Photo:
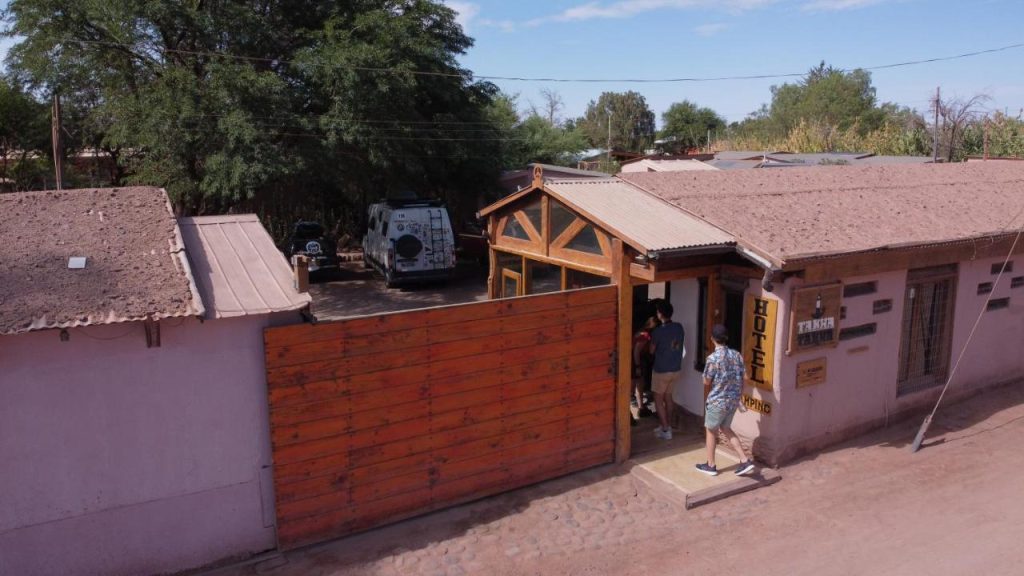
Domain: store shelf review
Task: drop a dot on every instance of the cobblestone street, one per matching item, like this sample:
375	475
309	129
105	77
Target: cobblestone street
867	506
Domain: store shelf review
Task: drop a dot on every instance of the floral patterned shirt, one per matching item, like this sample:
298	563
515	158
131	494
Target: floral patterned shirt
726	371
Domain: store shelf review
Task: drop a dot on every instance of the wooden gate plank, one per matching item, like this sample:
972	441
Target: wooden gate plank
379	418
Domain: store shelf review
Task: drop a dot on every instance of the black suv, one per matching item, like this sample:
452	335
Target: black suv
311	240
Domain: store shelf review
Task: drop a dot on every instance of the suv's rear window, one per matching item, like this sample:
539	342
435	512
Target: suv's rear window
309	230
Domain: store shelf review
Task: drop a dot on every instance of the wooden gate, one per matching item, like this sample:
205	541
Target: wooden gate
380	418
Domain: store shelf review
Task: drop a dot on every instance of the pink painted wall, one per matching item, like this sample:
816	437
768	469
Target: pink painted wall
860	391
120	459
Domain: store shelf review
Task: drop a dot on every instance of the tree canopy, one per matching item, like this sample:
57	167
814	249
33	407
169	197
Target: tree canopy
685	125
632	122
284	104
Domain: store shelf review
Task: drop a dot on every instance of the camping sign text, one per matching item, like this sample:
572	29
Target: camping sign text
759	340
815	317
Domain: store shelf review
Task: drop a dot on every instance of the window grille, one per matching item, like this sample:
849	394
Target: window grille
881	306
998	267
997	304
860	289
984	288
926	335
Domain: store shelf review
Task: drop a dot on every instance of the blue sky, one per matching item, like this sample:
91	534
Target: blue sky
709	38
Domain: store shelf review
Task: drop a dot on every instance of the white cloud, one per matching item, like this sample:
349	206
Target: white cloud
628	8
836	5
710	29
465	12
503	25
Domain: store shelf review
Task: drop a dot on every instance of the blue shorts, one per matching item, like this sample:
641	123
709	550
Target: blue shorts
715	418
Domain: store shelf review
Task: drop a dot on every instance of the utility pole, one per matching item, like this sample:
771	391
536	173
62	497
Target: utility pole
935	128
58	148
609	159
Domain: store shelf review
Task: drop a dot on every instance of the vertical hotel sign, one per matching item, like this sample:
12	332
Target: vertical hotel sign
759	340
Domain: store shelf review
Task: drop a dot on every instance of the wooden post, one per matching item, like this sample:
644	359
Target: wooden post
301	267
624	380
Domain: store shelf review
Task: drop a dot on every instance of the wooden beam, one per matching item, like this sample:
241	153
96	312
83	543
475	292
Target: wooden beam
640	274
624	382
743	271
866	264
492	275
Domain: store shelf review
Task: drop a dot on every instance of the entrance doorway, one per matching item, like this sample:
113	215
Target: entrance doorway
927	330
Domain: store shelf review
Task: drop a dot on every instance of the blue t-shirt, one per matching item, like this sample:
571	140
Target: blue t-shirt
668	347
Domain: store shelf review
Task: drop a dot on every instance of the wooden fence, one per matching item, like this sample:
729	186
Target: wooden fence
380	418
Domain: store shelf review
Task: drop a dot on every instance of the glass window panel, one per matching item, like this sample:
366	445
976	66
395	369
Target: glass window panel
561	218
513	262
544	278
513	229
586	241
509	288
532	211
576	279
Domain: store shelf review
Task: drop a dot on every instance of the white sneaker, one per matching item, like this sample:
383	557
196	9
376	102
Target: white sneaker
667	434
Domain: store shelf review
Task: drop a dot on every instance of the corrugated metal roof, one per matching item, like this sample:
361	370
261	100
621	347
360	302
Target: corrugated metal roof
655	165
238	269
800	213
638	218
134	266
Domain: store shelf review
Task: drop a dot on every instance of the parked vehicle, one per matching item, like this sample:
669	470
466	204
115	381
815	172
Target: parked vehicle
409	241
311	240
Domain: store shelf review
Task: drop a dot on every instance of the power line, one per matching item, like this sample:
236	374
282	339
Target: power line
467	74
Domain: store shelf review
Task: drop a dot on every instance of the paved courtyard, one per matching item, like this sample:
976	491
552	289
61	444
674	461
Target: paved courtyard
868	506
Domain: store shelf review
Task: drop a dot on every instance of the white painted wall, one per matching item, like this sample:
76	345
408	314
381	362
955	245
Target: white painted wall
689	392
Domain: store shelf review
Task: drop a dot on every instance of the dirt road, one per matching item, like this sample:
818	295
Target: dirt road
866	507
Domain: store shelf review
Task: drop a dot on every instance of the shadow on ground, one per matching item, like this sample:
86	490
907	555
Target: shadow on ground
355	291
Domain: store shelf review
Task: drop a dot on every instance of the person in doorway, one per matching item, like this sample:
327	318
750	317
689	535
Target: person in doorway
667	348
723	376
643	364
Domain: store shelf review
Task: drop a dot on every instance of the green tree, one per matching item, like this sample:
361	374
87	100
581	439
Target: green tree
291	107
686	125
535	138
24	138
632	122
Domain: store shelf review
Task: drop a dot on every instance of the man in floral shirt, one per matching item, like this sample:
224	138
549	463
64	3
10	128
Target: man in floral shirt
723	374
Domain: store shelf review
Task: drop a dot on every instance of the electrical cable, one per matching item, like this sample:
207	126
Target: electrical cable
916	445
470	75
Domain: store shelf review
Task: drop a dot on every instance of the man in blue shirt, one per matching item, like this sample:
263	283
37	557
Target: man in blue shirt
667	347
723	375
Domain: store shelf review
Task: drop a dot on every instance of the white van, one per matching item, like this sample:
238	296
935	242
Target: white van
409	241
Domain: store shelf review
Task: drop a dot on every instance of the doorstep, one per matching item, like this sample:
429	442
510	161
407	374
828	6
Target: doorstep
672	473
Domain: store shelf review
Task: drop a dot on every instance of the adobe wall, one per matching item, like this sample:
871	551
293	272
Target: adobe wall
860	392
120	459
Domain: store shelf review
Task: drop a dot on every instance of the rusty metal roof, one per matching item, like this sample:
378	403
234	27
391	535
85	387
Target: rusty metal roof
800	213
134	265
638	218
238	269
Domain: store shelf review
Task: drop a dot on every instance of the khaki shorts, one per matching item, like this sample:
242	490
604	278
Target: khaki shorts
664	382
